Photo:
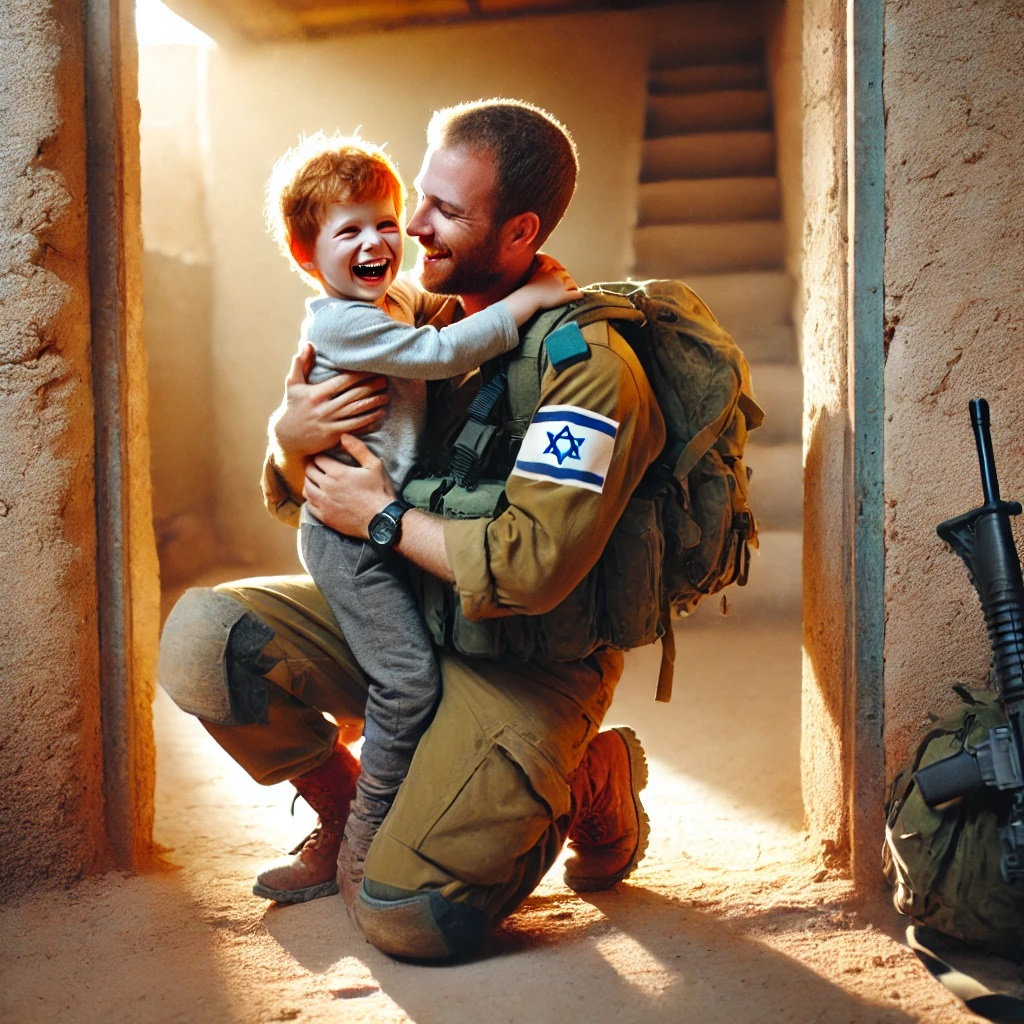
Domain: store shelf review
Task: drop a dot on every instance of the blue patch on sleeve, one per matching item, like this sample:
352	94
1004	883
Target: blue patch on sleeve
566	346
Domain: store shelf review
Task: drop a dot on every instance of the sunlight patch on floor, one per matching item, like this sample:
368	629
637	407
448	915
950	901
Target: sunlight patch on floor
700	824
636	965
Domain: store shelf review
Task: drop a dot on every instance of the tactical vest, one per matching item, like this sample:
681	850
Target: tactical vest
617	604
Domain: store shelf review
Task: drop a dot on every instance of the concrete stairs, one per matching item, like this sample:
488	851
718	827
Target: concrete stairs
709	213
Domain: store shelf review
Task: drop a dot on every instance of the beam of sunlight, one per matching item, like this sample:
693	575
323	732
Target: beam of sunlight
207	806
157	25
635	965
697	825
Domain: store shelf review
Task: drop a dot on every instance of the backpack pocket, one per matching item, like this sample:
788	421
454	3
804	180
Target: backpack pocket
717	509
566	633
480	639
631	576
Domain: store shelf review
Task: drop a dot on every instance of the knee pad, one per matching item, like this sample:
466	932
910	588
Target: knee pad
420	926
212	659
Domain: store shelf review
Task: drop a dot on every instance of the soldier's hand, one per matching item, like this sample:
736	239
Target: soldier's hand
346	497
312	417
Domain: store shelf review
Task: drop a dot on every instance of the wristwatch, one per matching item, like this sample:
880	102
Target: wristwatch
386	525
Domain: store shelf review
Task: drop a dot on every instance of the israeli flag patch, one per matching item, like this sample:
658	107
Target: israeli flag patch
567	445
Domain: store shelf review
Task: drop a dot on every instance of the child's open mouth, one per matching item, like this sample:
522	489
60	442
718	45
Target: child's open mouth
372	273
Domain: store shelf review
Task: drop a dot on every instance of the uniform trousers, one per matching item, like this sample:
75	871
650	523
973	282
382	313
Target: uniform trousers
486	805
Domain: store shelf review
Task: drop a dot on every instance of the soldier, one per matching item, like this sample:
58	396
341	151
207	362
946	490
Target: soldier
513	763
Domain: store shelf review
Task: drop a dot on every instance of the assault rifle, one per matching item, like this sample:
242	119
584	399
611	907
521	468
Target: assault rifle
983	539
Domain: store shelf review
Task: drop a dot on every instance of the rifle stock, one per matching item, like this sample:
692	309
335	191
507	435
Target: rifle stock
983	539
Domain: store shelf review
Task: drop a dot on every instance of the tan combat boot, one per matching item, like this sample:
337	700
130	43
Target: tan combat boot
311	868
609	834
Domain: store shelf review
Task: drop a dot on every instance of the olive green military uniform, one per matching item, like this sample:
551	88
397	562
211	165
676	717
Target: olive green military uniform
485	807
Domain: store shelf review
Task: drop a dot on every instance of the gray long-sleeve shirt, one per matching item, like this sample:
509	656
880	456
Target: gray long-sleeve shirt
351	335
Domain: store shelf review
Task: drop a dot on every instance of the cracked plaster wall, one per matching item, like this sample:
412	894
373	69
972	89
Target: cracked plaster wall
76	751
51	784
954	265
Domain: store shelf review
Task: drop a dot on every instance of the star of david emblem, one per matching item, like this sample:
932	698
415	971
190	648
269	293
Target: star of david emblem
572	449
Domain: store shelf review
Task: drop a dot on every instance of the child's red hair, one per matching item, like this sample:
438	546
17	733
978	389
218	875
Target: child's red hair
321	170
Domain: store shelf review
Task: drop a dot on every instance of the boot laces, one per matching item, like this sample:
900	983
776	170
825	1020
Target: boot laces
591	830
321	833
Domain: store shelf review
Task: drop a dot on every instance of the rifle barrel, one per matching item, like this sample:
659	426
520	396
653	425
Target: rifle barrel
986	457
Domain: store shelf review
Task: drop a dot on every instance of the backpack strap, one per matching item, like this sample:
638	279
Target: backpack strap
753	412
528	362
668	655
521	380
994	1006
470	446
701	443
525	370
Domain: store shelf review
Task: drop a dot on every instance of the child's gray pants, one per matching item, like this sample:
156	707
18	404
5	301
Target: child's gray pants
369	594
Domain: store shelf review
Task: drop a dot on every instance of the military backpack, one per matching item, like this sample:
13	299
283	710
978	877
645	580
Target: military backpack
696	494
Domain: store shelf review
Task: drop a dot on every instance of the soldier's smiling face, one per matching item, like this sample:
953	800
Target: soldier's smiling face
460	244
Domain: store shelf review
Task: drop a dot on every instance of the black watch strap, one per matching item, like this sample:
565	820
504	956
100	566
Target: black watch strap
396	509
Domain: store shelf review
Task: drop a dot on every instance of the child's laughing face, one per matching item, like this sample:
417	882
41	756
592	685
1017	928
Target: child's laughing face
358	251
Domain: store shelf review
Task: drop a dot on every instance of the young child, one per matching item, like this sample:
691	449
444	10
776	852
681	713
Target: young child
335	207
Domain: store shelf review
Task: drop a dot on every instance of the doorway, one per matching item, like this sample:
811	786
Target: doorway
210	373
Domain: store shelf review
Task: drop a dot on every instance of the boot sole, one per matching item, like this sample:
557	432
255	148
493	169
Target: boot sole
311	892
637	782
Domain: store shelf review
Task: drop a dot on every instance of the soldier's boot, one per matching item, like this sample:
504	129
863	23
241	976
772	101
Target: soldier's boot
310	870
365	817
610	829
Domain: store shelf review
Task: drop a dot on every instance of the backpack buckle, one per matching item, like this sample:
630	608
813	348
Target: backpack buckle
474	439
468	453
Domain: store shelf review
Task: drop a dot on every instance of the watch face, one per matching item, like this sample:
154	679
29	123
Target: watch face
382	529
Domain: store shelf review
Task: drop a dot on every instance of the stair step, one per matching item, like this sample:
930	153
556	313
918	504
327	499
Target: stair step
744	301
680	250
756	309
708	199
765	344
776	486
705	78
709	155
779	390
720	110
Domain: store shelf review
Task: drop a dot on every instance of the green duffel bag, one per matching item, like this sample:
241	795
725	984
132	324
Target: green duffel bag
944	861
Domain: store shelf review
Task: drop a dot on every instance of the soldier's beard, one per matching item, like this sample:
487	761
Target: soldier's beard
468	272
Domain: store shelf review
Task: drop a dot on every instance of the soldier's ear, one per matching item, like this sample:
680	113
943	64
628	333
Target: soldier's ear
519	233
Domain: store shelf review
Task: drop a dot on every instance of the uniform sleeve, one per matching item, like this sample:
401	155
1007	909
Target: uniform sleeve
360	336
564	499
278	499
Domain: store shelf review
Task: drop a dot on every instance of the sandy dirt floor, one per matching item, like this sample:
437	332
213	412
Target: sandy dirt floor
730	918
